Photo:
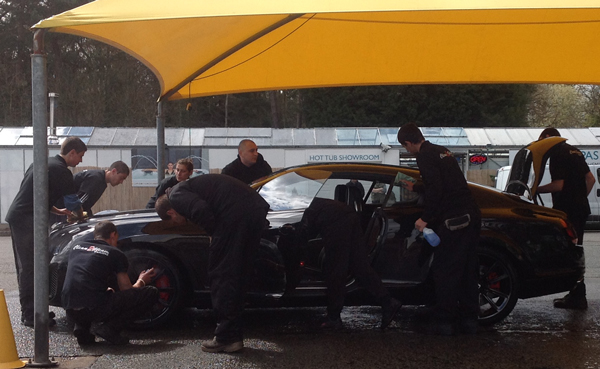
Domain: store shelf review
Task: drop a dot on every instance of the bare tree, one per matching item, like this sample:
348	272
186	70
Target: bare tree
591	95
557	106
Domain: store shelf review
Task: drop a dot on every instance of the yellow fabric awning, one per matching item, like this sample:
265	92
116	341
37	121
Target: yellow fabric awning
232	46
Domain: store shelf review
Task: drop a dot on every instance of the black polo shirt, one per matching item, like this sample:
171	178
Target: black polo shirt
90	185
567	163
161	189
60	183
213	199
91	264
446	191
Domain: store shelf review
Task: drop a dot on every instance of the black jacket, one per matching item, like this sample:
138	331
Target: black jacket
161	189
90	185
215	199
446	191
60	183
237	169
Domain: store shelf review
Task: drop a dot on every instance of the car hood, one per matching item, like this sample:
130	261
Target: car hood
529	165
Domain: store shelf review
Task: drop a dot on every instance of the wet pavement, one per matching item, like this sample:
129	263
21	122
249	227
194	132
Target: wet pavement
535	335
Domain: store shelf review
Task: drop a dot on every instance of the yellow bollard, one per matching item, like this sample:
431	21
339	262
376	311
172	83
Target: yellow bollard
8	349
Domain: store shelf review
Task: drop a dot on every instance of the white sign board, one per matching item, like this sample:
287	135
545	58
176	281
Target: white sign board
344	155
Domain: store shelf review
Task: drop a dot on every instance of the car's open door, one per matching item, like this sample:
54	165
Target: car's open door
529	166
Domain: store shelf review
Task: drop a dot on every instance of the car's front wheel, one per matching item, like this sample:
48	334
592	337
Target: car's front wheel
498	287
167	279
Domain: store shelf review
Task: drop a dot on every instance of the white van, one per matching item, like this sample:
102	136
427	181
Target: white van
594	196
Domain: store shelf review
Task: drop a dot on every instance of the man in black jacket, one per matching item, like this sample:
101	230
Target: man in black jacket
234	215
87	296
345	252
20	216
183	171
249	165
452	213
90	185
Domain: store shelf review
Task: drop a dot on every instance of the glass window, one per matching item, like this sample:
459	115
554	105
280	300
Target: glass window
347	136
294	190
454	131
377	195
328	189
9	136
81	131
368	136
400	195
522	174
432	131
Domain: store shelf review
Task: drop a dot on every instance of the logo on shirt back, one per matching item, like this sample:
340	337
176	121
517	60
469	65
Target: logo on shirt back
94	249
446	154
576	152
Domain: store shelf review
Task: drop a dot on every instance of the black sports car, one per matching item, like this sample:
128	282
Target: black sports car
525	250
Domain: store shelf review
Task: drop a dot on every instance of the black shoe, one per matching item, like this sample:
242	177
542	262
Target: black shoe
29	322
84	337
388	312
110	335
216	346
570	302
332	323
468	325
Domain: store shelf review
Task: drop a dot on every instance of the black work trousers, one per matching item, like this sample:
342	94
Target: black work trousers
578	221
346	253
121	308
230	266
22	243
455	272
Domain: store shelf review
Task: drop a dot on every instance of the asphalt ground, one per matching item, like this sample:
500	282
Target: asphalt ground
535	335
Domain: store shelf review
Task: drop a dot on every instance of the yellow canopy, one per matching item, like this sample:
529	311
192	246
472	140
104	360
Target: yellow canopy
230	46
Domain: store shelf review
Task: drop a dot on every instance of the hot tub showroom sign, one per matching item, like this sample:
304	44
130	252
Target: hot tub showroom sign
337	156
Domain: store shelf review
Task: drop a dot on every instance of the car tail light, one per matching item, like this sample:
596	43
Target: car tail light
570	230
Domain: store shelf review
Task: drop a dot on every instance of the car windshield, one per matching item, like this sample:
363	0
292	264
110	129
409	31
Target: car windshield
294	190
522	175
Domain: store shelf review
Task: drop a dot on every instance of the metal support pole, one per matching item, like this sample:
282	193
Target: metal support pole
160	142
39	109
52	139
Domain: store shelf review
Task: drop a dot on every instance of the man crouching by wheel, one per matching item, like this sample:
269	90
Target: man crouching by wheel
89	300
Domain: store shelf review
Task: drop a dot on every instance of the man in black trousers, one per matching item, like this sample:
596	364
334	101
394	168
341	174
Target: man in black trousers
571	183
234	215
87	296
345	252
452	213
20	216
